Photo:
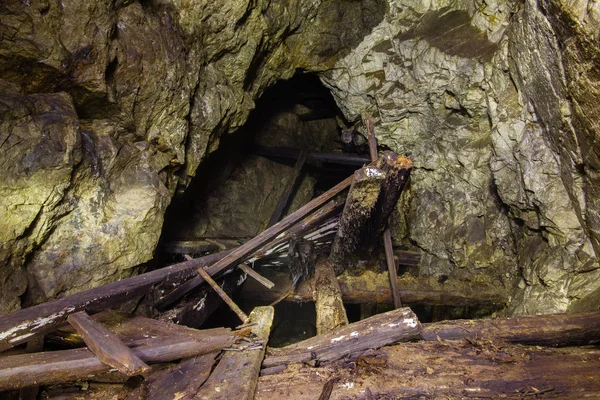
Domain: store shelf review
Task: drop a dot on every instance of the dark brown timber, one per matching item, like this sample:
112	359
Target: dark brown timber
234	307
245	250
359	207
374	332
287	191
331	313
256	276
236	375
107	346
23	325
312	156
71	365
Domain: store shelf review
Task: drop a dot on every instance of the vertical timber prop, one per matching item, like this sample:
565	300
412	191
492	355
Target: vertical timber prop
236	375
331	313
360	204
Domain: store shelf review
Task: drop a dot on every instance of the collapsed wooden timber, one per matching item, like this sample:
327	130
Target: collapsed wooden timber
312	156
371	287
331	313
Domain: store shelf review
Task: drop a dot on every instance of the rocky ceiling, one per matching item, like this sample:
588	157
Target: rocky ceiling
107	107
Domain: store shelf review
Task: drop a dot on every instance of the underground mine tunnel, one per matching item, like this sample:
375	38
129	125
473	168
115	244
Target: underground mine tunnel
169	169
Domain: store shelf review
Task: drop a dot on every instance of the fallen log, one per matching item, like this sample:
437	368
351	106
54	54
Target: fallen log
107	346
236	375
377	331
543	330
25	324
331	313
63	366
454	370
371	287
360	204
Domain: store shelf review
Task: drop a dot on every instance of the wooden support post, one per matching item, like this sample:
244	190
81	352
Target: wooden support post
379	330
236	375
245	250
331	313
234	307
64	366
107	346
360	204
21	326
287	191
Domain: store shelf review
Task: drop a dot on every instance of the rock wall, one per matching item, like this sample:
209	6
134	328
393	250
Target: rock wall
106	107
494	102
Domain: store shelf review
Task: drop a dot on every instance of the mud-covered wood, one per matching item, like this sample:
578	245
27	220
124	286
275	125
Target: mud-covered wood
359	207
379	330
543	330
23	325
180	382
107	346
331	313
447	370
245	251
287	191
236	375
371	287
71	365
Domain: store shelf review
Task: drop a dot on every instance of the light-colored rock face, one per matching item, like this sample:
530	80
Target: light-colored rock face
106	106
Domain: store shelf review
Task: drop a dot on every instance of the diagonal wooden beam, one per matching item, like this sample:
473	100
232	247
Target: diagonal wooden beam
287	191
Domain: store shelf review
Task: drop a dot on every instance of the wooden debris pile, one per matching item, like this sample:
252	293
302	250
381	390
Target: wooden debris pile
76	339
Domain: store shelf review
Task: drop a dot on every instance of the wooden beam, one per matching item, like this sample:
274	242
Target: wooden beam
391	267
107	346
245	251
64	366
312	156
23	325
540	330
371	287
189	247
236	375
234	307
360	204
287	191
331	313
380	330
256	276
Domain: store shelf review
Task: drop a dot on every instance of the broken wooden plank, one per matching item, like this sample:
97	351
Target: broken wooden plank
448	370
33	346
287	191
25	324
391	267
377	331
63	366
371	287
360	204
180	382
256	276
107	346
331	313
543	330
312	156
234	307
244	251
236	375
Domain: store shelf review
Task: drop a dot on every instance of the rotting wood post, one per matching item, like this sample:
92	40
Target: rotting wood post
287	191
107	346
359	207
236	375
331	313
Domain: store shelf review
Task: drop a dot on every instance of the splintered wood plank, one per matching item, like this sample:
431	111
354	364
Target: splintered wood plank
23	325
180	382
360	204
331	313
287	191
380	330
236	375
64	366
244	251
107	346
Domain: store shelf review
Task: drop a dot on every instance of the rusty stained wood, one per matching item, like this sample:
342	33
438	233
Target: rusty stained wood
359	207
107	346
447	370
331	313
56	367
25	324
236	375
379	330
